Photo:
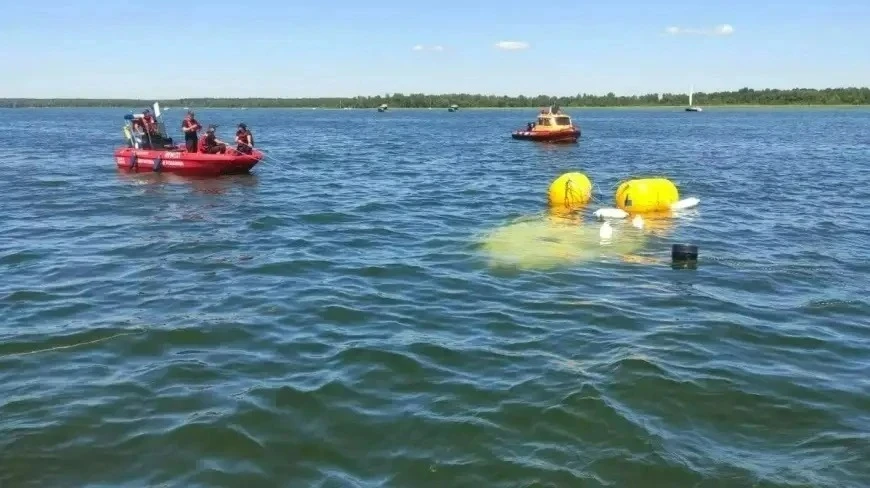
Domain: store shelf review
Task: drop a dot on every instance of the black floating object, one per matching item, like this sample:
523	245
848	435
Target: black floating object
684	255
684	252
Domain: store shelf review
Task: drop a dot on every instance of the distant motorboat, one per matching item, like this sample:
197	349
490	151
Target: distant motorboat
552	126
383	107
453	108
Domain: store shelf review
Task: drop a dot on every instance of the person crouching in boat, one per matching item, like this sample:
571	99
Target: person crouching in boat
211	144
151	132
150	125
190	127
244	140
141	130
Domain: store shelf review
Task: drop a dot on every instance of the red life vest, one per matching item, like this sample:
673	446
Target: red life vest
190	122
244	136
150	124
201	145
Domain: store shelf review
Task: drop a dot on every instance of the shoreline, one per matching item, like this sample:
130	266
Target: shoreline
646	107
742	98
461	109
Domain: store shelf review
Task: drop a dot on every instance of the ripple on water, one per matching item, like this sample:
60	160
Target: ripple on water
335	319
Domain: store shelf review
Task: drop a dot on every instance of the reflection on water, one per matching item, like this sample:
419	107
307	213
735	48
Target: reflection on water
561	215
202	184
549	147
659	225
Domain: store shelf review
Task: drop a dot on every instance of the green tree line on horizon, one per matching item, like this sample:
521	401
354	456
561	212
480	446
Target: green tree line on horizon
744	96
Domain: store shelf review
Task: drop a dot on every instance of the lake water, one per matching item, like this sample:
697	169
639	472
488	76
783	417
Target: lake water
337	319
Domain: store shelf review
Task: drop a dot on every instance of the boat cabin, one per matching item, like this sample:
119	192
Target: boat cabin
552	119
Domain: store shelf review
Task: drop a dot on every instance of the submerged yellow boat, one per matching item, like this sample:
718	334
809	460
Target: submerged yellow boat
552	126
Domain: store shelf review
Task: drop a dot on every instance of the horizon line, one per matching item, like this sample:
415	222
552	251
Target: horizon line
442	94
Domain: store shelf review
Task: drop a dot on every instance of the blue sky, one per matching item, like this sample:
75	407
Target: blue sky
269	48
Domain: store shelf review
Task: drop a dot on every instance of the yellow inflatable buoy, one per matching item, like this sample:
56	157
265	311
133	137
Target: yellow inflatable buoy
571	190
646	195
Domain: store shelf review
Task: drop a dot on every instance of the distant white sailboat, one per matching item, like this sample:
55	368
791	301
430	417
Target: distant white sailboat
692	108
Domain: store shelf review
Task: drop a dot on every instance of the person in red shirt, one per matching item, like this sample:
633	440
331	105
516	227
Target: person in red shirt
138	124
211	144
190	127
244	140
150	125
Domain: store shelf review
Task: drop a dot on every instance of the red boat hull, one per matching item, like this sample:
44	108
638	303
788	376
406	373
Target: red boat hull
182	162
562	136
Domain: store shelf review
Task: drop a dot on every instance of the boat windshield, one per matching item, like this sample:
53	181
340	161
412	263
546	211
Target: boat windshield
563	120
543	121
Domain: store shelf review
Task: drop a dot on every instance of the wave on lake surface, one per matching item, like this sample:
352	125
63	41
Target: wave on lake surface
336	319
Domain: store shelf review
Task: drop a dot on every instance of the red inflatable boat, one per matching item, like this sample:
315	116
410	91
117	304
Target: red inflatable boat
179	161
155	152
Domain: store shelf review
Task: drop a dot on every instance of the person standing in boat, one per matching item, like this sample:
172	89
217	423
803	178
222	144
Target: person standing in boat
211	144
190	127
244	140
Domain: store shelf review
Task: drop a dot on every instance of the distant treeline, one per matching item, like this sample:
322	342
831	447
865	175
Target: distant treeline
745	96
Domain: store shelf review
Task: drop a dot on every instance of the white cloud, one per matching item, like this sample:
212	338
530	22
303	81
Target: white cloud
719	30
724	30
420	47
512	45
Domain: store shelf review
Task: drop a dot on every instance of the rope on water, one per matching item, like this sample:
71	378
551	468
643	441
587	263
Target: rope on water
70	346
